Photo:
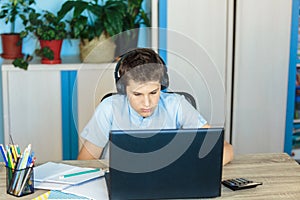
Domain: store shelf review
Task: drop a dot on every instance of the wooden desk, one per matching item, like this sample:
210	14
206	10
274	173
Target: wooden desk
279	173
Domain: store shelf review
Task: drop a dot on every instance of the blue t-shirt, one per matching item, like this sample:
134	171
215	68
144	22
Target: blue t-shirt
115	113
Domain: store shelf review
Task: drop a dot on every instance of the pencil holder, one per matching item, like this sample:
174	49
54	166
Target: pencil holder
19	182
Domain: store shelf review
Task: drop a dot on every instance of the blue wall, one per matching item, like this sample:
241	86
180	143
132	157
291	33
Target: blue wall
29	44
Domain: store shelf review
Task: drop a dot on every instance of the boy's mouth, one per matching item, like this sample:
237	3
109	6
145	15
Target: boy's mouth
144	110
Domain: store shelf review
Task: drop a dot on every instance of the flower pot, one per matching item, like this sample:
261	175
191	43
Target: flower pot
11	46
98	50
55	46
126	41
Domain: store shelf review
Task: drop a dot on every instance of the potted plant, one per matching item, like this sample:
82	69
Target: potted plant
91	21
10	12
50	31
94	24
134	17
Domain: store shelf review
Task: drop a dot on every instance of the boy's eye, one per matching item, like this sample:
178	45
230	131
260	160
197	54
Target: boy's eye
153	92
136	94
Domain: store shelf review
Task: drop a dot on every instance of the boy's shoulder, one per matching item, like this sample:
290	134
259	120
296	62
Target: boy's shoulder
170	98
115	99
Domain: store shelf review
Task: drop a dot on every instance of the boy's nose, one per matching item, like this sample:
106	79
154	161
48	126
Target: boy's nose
146	101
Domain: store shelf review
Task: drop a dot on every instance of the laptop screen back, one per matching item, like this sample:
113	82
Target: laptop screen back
152	164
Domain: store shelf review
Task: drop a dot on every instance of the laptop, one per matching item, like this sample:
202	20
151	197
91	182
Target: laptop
168	163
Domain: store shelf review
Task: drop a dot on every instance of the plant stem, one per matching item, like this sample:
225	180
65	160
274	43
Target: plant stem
12	28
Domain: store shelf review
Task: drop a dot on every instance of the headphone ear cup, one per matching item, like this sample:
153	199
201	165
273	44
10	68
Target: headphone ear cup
165	80
120	86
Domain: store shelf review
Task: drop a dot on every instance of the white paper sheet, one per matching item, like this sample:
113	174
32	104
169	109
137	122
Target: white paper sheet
50	186
95	189
50	169
47	176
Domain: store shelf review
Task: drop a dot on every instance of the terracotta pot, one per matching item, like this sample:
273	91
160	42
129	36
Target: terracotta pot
55	46
11	46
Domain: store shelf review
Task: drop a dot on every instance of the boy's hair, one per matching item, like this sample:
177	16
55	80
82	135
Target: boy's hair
140	65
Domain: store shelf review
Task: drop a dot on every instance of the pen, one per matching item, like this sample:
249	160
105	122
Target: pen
9	158
3	154
13	152
25	157
79	173
18	150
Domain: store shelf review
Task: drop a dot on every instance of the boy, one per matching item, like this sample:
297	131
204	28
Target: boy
140	76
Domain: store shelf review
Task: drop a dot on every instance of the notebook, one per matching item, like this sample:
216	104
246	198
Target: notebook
158	164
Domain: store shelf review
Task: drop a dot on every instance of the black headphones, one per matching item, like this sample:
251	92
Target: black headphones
121	88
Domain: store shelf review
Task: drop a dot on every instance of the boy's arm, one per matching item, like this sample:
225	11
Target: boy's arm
89	151
227	151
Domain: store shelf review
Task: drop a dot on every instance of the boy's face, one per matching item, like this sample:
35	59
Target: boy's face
143	97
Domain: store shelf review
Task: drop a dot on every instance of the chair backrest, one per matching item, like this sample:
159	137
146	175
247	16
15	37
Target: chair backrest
187	96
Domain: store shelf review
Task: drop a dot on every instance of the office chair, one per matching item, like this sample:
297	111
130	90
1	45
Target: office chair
187	96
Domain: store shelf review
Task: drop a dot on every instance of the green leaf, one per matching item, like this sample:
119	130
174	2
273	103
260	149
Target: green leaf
78	10
21	63
23	34
45	52
23	17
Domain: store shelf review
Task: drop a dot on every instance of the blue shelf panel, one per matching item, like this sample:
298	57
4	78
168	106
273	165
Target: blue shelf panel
292	78
163	24
69	115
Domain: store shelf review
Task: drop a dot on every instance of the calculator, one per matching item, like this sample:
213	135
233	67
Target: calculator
240	183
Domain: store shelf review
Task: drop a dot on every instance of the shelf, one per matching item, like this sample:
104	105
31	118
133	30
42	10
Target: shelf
68	63
296	121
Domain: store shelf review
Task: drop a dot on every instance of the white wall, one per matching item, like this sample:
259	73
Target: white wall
261	63
30	43
262	60
197	53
